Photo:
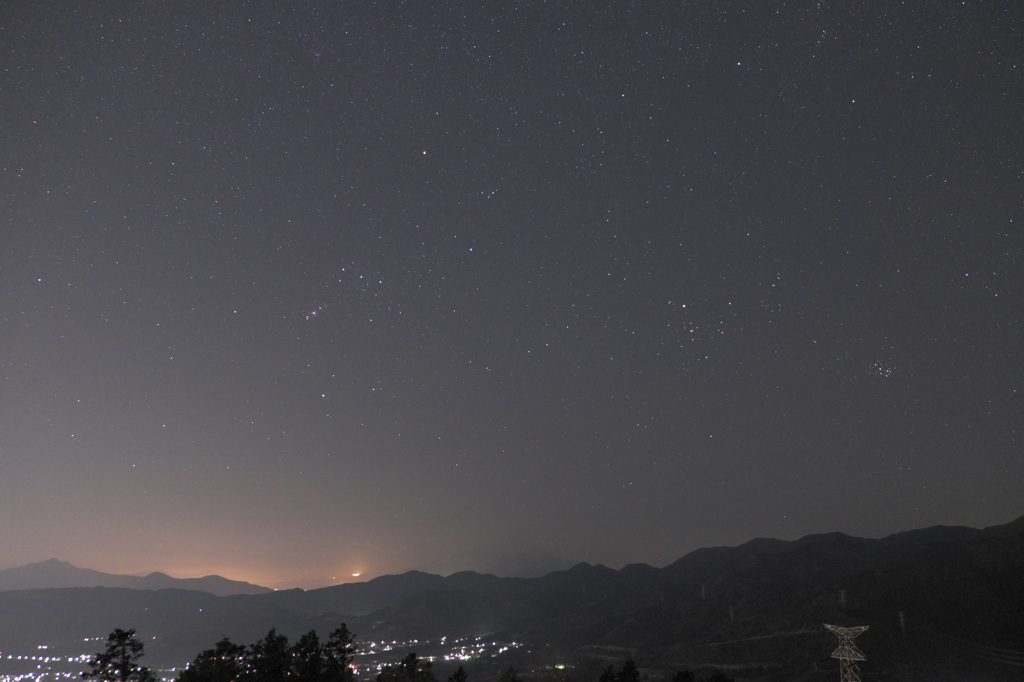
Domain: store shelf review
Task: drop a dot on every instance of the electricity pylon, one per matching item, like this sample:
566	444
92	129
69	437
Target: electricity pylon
847	652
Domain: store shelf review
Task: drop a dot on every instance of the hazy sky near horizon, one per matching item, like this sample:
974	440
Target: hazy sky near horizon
293	291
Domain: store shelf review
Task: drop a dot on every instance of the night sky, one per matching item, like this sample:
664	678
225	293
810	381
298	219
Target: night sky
295	290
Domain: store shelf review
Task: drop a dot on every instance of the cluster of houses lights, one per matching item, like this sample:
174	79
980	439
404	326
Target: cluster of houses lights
464	649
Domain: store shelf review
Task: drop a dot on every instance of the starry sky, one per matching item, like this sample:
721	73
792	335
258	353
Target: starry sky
291	291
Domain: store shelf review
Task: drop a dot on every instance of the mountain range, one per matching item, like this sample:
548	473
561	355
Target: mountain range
56	573
940	603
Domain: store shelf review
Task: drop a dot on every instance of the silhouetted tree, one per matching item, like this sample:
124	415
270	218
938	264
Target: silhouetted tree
628	673
509	675
409	669
223	663
268	660
338	653
307	658
272	659
459	675
120	661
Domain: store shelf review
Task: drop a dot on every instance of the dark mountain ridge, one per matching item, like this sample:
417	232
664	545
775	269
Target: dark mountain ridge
939	601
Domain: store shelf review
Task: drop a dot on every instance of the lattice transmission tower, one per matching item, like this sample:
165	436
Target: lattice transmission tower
847	652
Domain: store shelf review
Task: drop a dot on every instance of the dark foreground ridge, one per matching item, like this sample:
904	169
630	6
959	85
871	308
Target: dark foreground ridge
943	601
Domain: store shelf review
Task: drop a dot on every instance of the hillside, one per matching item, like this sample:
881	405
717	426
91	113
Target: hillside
939	602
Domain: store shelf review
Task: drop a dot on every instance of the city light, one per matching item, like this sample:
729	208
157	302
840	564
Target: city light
371	657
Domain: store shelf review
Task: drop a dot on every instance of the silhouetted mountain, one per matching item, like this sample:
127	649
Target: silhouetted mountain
940	602
55	573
